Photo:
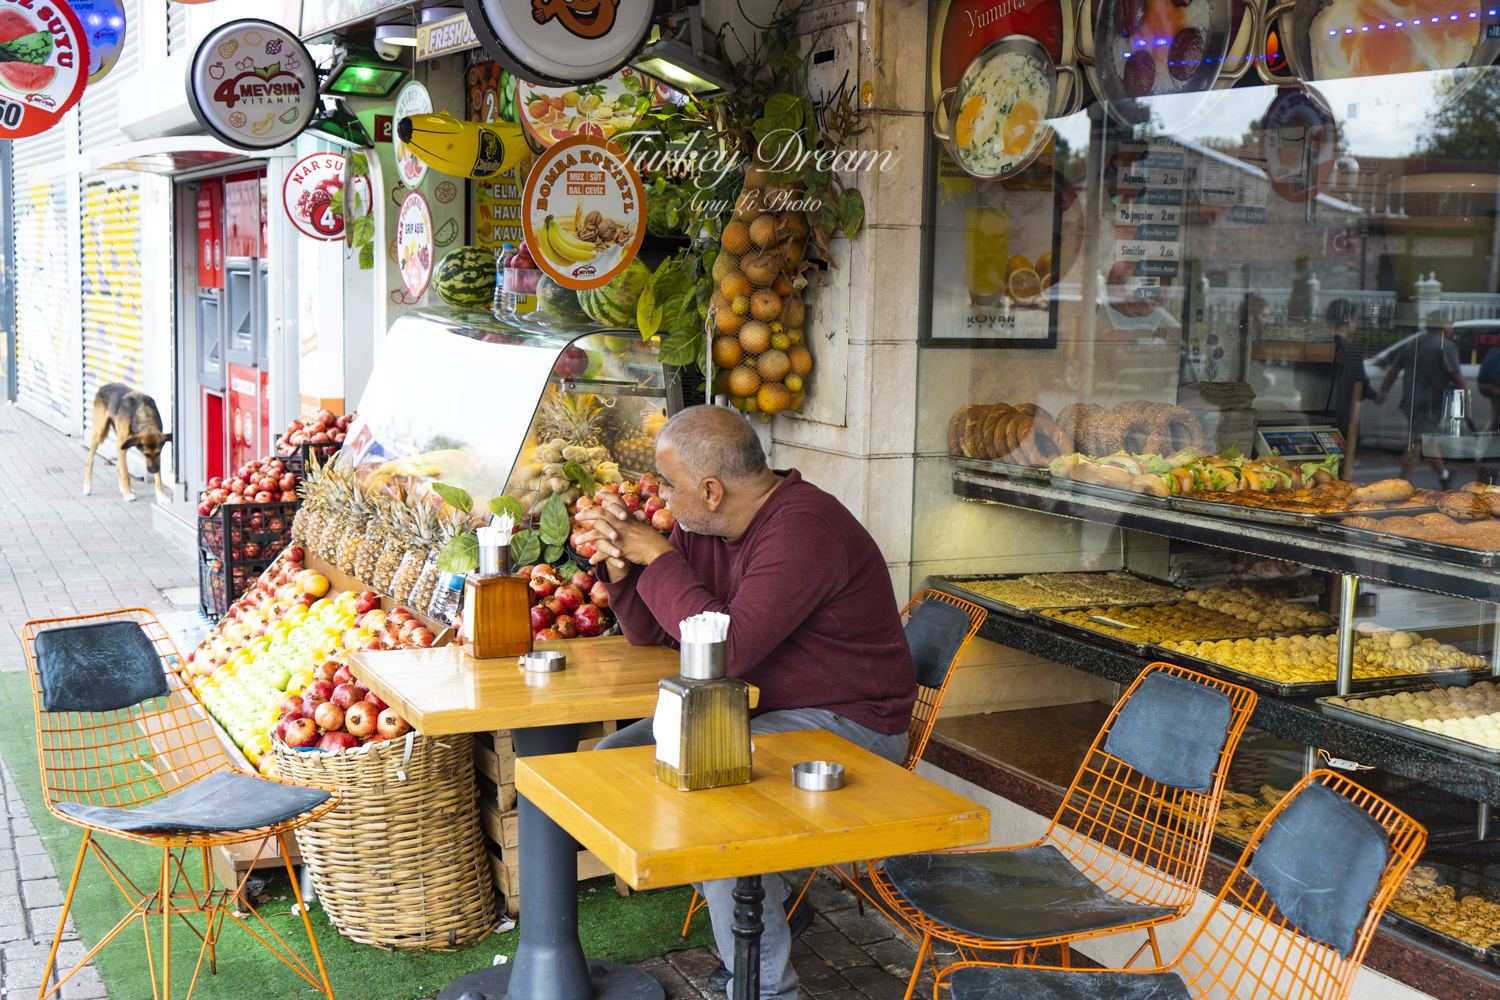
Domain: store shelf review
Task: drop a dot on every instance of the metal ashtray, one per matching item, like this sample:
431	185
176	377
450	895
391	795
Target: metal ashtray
545	661
818	775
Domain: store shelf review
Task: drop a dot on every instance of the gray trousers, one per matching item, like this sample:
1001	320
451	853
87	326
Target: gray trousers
777	977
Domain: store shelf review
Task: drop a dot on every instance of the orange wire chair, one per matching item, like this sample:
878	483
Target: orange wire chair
924	715
1139	840
124	758
1245	947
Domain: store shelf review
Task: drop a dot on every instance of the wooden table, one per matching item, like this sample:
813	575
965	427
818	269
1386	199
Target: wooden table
444	690
654	836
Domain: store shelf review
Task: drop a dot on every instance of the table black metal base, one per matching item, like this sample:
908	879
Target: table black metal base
549	961
748	895
609	981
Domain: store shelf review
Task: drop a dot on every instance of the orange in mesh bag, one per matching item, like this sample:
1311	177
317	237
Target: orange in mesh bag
756	313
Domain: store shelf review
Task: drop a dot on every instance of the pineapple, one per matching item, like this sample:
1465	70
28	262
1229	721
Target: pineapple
574	418
635	447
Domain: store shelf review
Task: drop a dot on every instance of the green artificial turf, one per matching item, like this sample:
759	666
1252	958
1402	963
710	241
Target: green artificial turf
622	930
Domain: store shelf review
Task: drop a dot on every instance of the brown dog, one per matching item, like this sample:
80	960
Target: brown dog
137	424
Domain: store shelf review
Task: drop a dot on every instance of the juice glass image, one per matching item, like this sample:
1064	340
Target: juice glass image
987	247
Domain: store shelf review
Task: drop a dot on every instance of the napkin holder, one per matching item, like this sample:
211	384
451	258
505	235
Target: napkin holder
702	722
497	608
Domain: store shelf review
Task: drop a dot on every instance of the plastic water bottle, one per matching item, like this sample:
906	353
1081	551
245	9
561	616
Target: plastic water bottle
445	600
507	251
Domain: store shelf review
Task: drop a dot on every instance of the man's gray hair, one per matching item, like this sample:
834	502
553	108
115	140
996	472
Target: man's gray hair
713	442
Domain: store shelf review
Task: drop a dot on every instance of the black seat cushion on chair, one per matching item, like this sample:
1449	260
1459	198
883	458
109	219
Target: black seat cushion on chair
1171	730
934	631
228	800
1022	983
97	668
1321	864
1015	895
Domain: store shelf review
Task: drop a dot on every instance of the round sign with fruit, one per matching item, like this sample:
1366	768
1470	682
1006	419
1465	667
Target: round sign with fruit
104	26
44	61
551	114
414	244
252	84
583	212
413	100
309	195
560	41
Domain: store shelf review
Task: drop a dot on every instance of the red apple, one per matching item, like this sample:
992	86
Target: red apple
345	695
337	741
367	601
343	675
565	627
361	720
301	733
329	716
541	617
589	620
377	701
663	520
291	703
571	597
390	725
583	581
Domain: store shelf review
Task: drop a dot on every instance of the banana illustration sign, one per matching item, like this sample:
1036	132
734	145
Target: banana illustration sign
252	84
560	42
583	212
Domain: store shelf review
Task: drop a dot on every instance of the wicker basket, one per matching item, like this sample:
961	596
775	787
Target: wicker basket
400	864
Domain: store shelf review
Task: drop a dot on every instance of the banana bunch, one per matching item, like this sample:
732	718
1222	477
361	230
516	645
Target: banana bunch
463	149
562	247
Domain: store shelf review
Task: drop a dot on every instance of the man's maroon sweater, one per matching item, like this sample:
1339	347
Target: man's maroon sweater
813	617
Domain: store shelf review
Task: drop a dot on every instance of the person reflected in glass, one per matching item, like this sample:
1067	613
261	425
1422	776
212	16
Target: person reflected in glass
1348	365
1430	366
1489	385
1255	320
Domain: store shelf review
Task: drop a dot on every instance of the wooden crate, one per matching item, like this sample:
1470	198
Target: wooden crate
495	770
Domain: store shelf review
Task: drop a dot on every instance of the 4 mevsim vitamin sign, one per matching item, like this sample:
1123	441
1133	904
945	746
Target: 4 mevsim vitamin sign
252	84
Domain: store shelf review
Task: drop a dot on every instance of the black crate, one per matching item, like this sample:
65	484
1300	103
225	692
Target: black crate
235	544
298	460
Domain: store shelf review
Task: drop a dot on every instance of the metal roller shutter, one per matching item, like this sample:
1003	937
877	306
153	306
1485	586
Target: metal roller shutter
111	285
45	260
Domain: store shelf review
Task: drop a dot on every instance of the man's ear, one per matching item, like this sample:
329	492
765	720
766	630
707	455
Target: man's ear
711	493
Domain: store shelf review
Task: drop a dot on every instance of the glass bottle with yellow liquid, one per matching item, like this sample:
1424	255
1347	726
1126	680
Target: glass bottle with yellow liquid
986	247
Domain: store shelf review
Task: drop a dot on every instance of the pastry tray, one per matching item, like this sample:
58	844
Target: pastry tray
1039	472
1103	638
1363	686
1110	493
1462	748
1238	512
955	585
1414	546
1417	929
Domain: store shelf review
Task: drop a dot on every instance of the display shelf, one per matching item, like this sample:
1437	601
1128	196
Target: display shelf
1292	718
1294	544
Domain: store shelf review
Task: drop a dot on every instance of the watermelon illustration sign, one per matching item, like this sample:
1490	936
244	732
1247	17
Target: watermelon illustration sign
44	61
252	84
313	196
583	212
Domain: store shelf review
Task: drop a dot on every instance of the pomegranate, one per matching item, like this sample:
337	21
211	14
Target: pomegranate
291	703
542	586
663	520
571	597
301	733
584	581
336	741
565	627
361	720
376	701
329	717
345	695
367	601
546	635
422	637
541	617
589	620
555	605
343	675
320	689
310	703
390	725
325	672
287	719
631	500
293	553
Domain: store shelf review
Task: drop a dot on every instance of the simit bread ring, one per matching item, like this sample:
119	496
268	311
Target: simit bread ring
1074	422
1029	453
958	425
1051	440
987	429
999	438
1106	433
1014	432
973	445
1185	429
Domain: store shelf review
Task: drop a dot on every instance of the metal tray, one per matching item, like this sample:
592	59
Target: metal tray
1417	929
955	585
1110	493
1039	472
1413	546
1280	518
1254	682
1087	634
1339	515
1462	748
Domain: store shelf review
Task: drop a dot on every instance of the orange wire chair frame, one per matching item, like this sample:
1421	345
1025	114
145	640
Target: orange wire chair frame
1245	948
1140	840
124	758
924	715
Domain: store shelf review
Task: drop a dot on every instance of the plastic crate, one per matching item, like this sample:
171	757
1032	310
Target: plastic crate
235	544
298	460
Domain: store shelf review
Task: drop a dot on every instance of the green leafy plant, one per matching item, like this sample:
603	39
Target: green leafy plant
359	233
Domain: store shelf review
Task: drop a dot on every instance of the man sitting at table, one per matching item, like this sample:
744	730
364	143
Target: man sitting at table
813	619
